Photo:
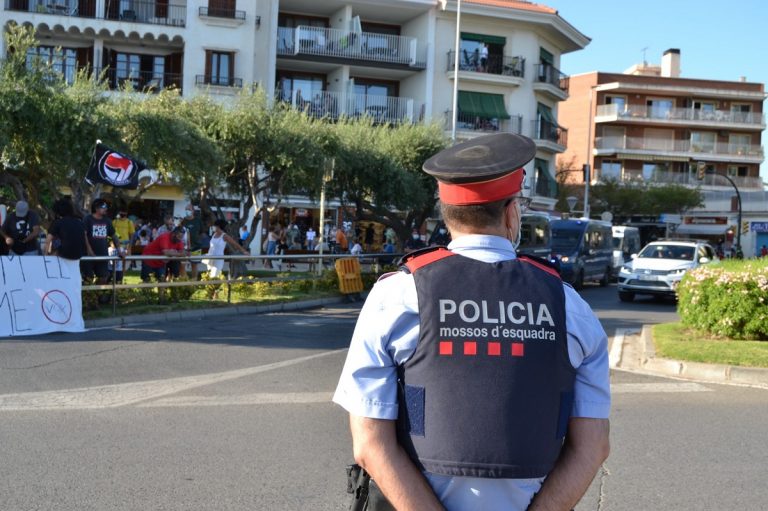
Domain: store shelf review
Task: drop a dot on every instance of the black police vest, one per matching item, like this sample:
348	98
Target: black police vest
489	390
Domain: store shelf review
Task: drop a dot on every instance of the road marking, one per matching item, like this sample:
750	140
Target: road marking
242	400
111	396
651	388
614	356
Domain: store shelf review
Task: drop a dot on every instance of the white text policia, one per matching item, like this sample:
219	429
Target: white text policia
515	312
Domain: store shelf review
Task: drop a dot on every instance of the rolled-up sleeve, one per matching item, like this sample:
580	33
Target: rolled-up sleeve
588	351
385	335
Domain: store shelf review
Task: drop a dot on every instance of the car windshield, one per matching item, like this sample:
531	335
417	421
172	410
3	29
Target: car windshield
566	241
661	251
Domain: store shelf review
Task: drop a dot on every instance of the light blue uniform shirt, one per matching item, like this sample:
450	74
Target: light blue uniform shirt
386	335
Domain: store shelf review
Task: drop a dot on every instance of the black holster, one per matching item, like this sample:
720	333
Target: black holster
366	495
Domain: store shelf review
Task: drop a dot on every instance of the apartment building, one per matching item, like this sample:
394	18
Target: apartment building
649	124
393	60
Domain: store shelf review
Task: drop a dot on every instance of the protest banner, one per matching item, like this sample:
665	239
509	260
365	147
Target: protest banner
39	294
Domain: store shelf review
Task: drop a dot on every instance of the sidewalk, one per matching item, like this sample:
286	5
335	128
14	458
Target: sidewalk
213	312
637	354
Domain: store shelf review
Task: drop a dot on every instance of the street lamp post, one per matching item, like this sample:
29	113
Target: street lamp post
454	111
702	169
330	165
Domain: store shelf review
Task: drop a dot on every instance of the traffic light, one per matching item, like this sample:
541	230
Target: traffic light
745	227
701	169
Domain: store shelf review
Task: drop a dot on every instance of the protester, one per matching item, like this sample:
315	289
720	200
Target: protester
310	235
440	236
356	249
124	228
194	227
21	230
763	251
244	234
342	245
167	244
99	231
66	237
414	242
476	379
219	242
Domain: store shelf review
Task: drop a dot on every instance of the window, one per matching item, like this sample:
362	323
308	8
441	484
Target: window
219	68
660	108
373	98
61	60
295	20
304	85
738	171
613	136
127	69
659	140
739	143
610	170
619	101
703	141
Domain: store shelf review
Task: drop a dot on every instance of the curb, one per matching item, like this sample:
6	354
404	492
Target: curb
234	310
642	359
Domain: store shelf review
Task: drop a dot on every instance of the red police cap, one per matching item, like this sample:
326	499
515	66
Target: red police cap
484	169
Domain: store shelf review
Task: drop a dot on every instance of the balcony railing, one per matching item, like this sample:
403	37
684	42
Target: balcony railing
546	130
467	122
141	81
547	73
680	178
218	81
496	64
643	112
217	12
333	105
663	145
140	11
343	44
147	11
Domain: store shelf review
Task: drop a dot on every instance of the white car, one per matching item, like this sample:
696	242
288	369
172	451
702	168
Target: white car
659	267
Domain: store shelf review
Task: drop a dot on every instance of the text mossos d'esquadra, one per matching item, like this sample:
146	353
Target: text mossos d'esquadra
513	320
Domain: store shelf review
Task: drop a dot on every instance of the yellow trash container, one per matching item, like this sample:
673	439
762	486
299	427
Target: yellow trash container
350	280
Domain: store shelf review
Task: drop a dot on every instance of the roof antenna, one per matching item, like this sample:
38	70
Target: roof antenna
645	62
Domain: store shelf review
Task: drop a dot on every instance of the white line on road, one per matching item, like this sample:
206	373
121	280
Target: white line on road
291	398
110	396
614	356
650	388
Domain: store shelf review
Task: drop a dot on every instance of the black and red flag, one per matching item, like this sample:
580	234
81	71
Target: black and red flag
113	168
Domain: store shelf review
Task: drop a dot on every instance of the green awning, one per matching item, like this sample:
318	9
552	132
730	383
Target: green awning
490	39
546	113
546	56
480	104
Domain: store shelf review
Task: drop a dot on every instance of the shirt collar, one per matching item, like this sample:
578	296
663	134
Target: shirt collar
483	247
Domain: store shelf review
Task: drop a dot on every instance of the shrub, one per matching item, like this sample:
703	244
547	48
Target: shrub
729	300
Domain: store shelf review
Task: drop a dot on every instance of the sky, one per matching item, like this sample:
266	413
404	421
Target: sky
717	39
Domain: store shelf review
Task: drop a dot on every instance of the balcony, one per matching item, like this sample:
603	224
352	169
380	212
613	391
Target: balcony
640	148
344	46
142	81
680	116
218	81
545	185
334	105
217	12
679	178
499	69
141	11
549	80
549	136
472	125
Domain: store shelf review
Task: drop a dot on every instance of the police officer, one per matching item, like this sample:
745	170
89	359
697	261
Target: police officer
476	379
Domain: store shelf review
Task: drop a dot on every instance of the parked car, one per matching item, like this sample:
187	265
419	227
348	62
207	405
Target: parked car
584	250
626	241
659	267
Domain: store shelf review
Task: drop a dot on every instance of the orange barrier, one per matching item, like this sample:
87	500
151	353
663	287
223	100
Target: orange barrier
348	270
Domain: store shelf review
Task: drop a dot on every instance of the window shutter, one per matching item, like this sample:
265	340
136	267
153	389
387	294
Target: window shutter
208	58
231	68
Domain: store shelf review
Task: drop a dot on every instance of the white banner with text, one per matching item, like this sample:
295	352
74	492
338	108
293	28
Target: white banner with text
40	294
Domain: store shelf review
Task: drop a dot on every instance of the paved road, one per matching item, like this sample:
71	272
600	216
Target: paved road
235	414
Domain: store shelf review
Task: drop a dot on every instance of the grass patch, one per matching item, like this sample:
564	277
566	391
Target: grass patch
673	340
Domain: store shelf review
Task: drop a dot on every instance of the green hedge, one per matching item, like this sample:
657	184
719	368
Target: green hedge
728	299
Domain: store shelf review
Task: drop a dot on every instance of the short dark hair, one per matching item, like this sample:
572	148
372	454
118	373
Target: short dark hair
221	224
477	216
178	230
63	207
97	204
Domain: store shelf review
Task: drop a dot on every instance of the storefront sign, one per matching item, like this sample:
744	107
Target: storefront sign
302	212
710	220
38	295
758	226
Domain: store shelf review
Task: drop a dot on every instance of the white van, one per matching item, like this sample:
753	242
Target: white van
626	241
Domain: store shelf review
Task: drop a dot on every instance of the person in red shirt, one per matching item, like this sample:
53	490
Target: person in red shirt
168	244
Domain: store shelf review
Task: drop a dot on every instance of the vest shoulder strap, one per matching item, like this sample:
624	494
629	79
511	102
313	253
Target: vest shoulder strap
415	260
541	264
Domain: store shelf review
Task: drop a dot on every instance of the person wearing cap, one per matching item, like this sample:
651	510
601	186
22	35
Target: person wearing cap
476	379
21	230
98	231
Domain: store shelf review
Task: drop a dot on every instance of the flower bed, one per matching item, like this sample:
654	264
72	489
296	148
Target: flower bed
728	299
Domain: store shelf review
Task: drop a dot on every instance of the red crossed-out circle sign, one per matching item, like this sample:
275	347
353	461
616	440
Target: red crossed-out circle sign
57	308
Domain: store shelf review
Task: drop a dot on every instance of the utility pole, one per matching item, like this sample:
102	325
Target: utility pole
701	171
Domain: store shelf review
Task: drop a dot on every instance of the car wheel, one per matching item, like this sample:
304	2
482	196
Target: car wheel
606	277
578	282
626	296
